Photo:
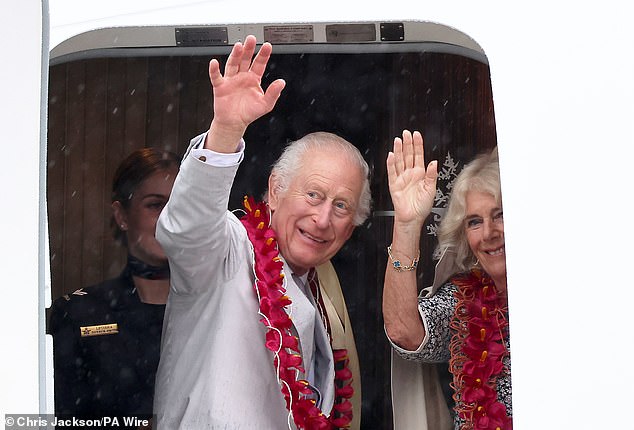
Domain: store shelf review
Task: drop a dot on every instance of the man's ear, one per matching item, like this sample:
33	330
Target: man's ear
119	214
351	228
274	192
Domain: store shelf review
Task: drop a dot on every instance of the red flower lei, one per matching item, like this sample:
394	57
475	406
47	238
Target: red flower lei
271	294
477	350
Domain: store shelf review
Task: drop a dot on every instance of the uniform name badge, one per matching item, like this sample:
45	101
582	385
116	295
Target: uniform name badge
99	330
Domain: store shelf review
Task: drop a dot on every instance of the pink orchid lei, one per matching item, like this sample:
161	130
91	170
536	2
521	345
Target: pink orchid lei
287	361
477	350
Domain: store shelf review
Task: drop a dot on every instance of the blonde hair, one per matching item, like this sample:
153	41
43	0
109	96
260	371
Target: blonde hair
482	175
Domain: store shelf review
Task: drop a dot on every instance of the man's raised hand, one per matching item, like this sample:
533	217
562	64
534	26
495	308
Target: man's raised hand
238	96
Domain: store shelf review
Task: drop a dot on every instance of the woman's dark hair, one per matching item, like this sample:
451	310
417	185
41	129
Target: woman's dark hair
137	167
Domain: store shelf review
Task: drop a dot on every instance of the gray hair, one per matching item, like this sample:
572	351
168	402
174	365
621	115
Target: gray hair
483	175
290	163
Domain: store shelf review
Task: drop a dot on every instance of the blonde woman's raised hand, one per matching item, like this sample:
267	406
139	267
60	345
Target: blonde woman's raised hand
412	184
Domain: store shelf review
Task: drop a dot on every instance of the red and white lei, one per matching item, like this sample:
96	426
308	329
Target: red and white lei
287	361
477	352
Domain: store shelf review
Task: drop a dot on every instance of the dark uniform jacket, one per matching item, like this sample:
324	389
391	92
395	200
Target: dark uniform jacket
106	350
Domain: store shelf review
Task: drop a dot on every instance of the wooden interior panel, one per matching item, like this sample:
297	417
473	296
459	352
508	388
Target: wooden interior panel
114	151
73	191
95	185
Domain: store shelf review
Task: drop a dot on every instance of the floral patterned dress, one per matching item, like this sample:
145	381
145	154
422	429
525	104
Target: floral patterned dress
482	402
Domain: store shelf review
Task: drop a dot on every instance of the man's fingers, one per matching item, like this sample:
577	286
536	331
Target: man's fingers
233	62
214	73
241	58
247	53
260	61
273	92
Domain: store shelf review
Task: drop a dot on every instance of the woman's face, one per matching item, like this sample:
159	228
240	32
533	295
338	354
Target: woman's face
138	221
484	228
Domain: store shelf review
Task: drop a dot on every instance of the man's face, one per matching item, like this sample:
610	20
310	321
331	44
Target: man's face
314	217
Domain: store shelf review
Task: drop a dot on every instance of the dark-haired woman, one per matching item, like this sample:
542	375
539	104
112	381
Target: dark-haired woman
107	336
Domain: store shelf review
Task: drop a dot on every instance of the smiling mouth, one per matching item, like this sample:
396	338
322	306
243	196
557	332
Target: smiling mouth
311	237
496	252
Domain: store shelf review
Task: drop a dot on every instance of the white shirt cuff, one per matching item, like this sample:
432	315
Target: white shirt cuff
218	159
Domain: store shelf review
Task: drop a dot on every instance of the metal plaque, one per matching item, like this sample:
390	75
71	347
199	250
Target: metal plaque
345	33
288	33
201	36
